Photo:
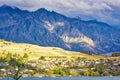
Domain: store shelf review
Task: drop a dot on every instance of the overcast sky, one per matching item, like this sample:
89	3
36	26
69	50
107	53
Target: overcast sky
101	10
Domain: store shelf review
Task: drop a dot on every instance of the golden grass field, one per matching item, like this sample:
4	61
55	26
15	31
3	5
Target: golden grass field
35	51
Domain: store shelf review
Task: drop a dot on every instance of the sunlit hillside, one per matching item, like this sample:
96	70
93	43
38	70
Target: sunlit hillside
35	51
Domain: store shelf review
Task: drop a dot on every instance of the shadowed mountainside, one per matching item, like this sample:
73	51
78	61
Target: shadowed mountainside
46	28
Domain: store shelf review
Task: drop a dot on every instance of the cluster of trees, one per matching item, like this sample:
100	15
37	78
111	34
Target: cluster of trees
66	72
101	70
59	71
97	70
95	73
13	65
115	54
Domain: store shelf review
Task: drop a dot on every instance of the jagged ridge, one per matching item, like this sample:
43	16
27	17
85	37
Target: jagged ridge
46	28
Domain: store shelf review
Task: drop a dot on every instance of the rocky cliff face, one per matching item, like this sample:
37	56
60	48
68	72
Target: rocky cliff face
47	28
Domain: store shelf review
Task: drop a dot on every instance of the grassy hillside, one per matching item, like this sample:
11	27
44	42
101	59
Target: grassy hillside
35	51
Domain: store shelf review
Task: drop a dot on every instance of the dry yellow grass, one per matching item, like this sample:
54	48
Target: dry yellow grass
35	51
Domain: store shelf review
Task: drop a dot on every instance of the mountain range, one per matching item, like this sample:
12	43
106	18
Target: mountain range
49	28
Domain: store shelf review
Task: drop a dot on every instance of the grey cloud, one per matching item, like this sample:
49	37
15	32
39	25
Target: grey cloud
101	10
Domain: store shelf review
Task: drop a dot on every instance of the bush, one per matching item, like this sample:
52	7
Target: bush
86	73
116	73
74	73
42	58
62	73
106	73
94	73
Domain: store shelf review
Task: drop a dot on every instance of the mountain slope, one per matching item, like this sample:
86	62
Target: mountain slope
47	28
35	52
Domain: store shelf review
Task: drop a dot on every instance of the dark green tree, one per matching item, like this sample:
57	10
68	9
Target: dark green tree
100	68
42	58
